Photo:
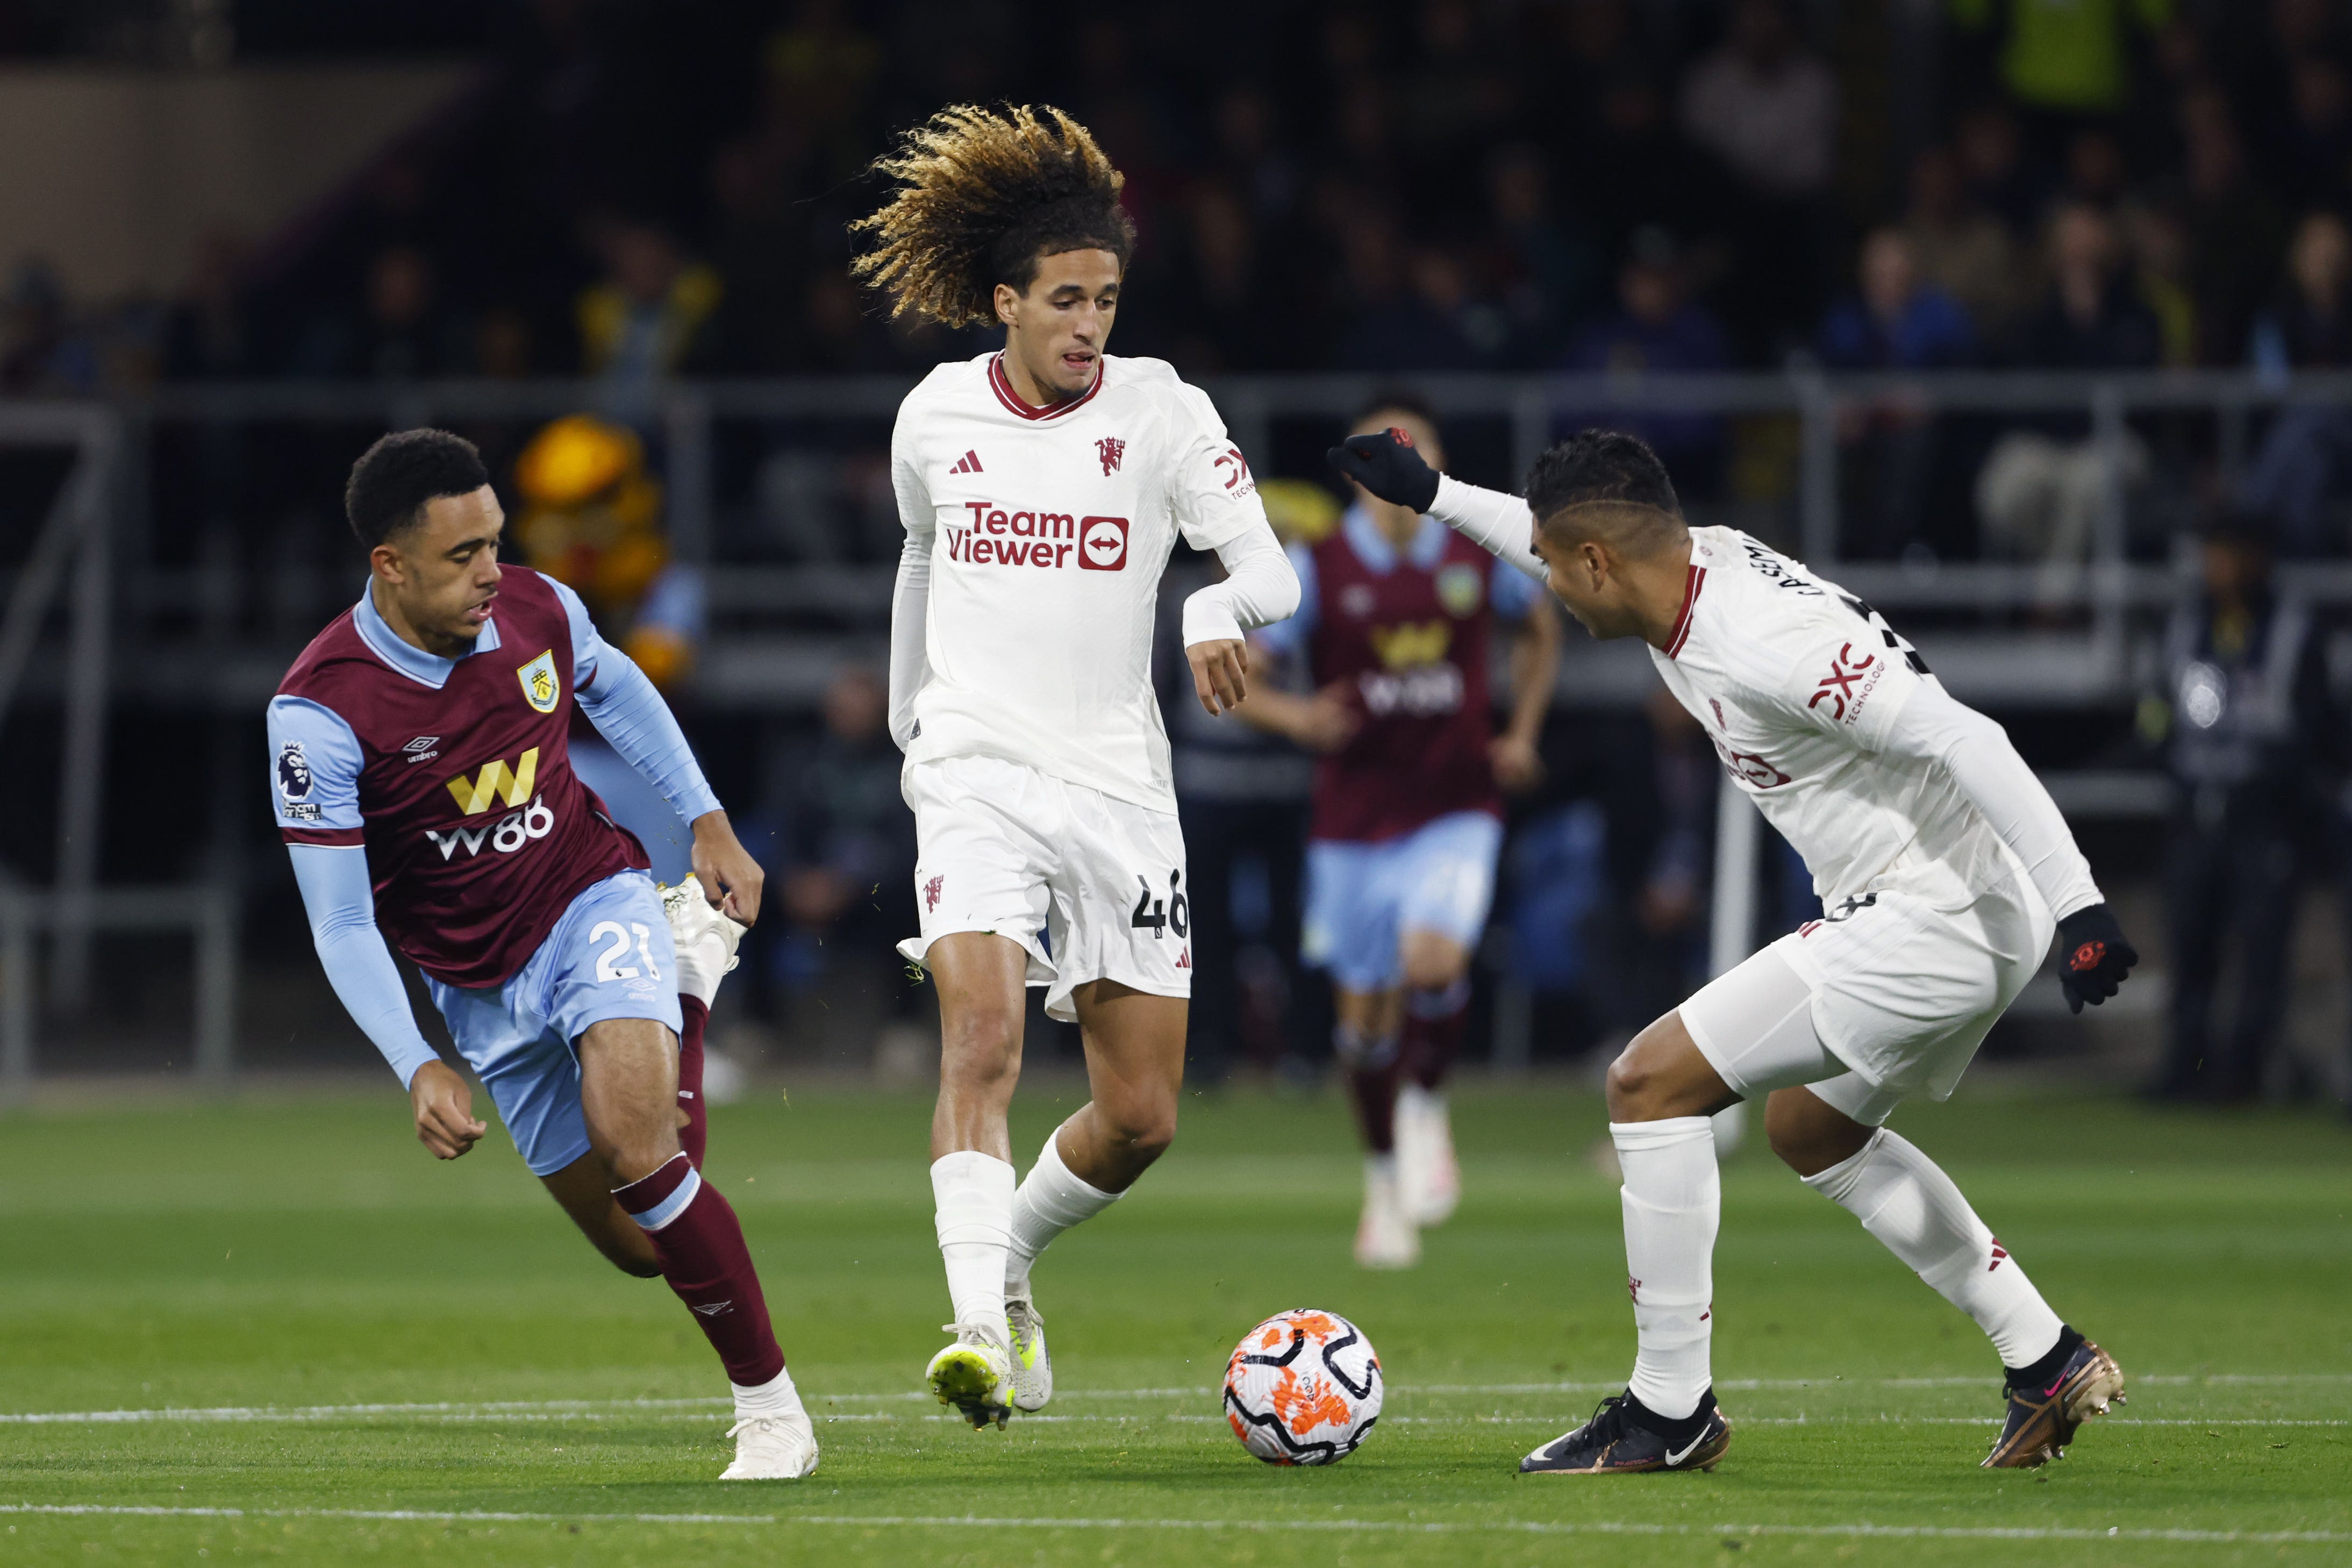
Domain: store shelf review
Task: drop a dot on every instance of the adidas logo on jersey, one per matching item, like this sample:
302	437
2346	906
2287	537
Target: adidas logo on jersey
1042	539
967	463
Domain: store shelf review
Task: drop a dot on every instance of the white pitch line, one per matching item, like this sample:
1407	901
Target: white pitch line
1317	1526
456	1411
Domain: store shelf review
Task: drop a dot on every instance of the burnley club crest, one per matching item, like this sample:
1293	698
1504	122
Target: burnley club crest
540	685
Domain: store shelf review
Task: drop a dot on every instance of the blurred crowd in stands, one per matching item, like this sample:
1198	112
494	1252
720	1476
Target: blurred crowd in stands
634	191
1434	185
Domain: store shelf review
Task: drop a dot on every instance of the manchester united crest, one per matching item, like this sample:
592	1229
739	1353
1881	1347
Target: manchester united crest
540	685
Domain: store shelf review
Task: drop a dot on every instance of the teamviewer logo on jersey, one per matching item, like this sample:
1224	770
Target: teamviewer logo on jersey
1102	544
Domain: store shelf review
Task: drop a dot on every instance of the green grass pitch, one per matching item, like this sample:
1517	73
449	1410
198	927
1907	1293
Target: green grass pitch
401	1361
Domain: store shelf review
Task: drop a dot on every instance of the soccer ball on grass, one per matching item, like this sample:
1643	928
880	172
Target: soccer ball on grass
1303	1388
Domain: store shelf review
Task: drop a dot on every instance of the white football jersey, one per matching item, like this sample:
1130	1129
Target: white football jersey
1048	530
1798	682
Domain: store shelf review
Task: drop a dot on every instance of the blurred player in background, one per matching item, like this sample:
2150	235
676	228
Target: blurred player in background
1943	868
1396	624
591	517
422	780
1043	488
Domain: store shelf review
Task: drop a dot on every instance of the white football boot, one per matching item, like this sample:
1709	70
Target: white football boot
704	936
772	1448
1427	1172
1033	1365
1386	1238
975	1374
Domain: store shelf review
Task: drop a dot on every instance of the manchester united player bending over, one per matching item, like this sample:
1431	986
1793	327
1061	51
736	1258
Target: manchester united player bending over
1042	489
1943	869
417	752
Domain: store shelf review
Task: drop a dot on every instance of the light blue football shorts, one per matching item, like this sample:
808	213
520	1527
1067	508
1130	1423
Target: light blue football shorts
1361	898
608	958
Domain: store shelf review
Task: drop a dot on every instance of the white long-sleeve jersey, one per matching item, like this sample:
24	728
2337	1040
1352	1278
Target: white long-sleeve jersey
1832	722
1035	541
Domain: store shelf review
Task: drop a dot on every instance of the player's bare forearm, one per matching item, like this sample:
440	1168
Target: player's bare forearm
730	878
1535	670
1220	674
444	1105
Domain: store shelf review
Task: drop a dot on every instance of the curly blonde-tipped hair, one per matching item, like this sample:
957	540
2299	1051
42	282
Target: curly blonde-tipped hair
982	194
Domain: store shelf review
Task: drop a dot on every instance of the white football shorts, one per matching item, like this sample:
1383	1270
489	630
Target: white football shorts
1091	886
1882	997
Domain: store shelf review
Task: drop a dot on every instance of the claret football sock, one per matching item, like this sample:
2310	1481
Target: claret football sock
701	1244
1435	1018
1673	1202
1373	1067
1905	1199
1051	1198
972	1195
694	1136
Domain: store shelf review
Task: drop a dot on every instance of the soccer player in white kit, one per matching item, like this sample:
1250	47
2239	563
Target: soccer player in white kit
1943	869
1043	488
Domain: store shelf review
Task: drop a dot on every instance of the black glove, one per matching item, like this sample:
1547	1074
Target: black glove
2093	956
1387	467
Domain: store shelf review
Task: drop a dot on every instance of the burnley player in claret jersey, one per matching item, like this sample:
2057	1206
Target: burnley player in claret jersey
1397	620
1043	488
420	779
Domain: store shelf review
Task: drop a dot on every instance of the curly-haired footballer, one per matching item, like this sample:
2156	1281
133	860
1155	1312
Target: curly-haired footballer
1043	488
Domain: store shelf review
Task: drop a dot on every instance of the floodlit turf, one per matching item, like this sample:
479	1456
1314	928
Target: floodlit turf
295	1257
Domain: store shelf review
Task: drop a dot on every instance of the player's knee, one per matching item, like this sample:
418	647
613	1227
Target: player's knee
1628	1082
1807	1136
1143	1131
981	1044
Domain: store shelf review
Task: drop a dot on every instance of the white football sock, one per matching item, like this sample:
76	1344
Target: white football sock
1905	1199
1051	1198
972	1194
777	1396
1673	1201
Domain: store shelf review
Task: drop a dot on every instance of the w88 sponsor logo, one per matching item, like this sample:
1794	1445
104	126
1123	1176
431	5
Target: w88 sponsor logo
1430	692
506	835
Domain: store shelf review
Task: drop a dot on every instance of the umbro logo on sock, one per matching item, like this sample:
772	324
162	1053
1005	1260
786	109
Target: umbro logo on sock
712	1309
967	464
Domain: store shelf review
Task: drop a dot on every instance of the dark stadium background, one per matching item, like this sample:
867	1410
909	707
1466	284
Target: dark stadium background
1543	215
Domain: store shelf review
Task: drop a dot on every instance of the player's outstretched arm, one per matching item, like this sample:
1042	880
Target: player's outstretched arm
1932	725
1386	465
1260	588
340	904
627	710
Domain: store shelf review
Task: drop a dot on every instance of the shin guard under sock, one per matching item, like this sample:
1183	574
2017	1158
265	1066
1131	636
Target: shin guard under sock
694	1136
701	1244
1905	1199
1673	1202
1374	1068
1435	1020
973	1198
1051	1198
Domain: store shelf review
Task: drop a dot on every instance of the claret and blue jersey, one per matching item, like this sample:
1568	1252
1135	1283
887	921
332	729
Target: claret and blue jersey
432	801
1407	820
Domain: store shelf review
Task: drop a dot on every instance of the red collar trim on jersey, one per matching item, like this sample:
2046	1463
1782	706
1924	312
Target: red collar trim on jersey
1003	387
1692	583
